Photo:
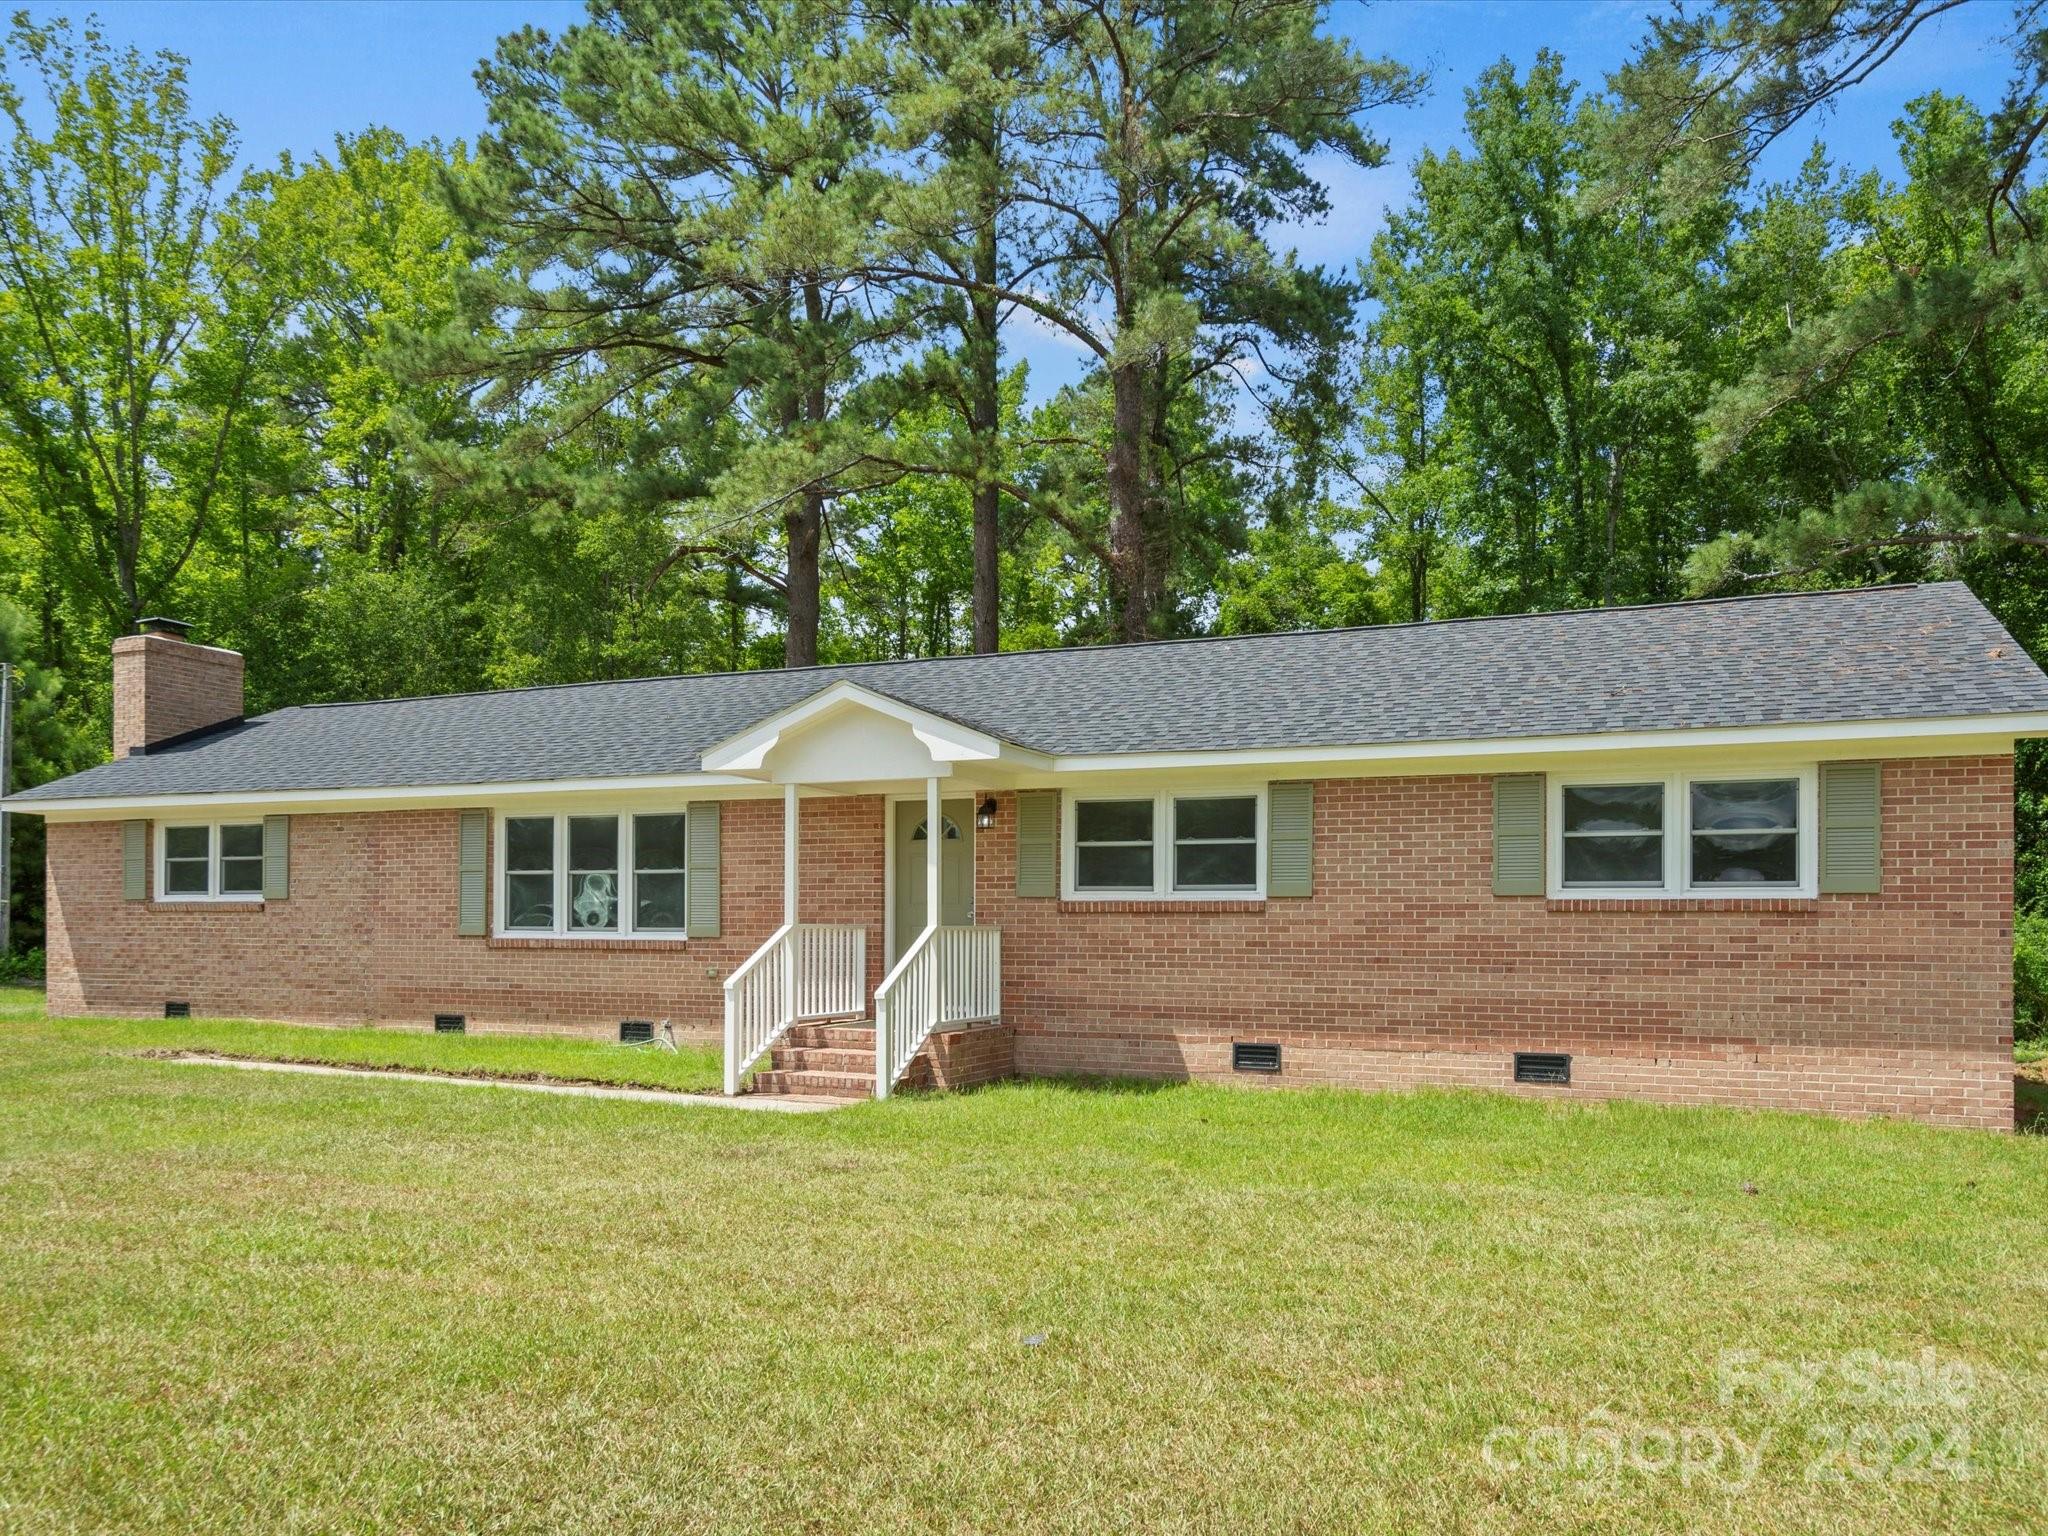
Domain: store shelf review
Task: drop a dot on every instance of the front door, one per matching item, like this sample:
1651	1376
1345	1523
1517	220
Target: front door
956	868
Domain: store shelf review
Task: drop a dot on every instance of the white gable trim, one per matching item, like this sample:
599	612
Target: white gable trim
946	740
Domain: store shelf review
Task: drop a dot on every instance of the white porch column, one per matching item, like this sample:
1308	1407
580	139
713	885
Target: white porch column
789	853
934	834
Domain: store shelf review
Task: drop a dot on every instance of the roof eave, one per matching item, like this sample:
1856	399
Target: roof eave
1839	734
1834	739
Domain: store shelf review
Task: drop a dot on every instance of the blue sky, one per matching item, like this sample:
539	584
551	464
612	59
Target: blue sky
294	73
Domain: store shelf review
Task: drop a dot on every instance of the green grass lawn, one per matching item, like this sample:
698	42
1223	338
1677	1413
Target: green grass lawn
236	1301
688	1069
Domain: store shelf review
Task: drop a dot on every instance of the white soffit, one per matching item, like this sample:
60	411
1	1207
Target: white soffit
867	733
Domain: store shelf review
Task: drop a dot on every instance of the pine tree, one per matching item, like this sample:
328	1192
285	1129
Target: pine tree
960	78
676	191
1163	141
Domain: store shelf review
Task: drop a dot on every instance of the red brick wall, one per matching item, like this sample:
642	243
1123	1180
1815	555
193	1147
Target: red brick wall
165	687
964	1058
369	932
1405	969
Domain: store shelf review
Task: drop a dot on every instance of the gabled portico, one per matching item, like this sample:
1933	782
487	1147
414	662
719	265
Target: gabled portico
846	739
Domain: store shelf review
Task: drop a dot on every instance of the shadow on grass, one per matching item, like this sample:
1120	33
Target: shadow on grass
1103	1083
2030	1105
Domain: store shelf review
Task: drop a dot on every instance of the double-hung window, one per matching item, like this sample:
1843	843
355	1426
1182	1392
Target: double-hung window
1614	834
1172	845
1723	833
1743	832
210	861
574	875
660	873
1216	843
1115	845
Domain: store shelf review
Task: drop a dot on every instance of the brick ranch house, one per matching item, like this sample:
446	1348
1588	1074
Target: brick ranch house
1754	851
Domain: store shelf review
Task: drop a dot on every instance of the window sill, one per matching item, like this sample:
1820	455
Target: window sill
566	941
206	904
1682	904
1181	904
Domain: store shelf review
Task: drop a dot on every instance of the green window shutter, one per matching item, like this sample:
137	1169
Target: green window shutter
134	860
472	873
1518	834
700	901
1038	842
277	858
1850	827
1290	839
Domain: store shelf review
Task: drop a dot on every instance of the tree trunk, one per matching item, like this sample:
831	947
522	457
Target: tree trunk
1130	388
1160	508
988	619
1127	575
801	527
985	425
804	522
735	617
1614	458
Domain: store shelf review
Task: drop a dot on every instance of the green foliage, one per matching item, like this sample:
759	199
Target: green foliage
674	196
48	743
1167	139
1295	576
130	325
1897	385
1529	384
2030	976
20	965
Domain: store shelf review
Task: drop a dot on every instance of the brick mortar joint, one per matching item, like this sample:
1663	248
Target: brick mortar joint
1733	905
1175	908
496	941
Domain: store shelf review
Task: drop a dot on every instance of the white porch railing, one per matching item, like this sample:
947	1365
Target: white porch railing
831	970
948	976
803	971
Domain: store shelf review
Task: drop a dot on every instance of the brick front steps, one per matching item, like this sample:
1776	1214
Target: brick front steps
834	1061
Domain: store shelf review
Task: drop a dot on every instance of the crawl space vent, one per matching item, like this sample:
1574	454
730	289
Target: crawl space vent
1542	1067
450	1024
635	1031
1250	1056
177	1010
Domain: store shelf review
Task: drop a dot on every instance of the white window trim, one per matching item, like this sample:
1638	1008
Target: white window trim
1162	843
162	893
1678	880
629	896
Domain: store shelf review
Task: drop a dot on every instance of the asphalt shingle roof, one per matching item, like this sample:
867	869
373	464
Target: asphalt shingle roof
1889	653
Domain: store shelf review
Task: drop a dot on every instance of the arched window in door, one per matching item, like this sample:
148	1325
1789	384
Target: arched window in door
951	832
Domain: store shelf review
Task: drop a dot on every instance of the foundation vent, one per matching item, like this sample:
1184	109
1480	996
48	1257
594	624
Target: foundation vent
635	1031
1254	1056
450	1024
1551	1067
177	1010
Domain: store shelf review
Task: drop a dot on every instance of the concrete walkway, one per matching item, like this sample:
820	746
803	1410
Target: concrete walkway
771	1103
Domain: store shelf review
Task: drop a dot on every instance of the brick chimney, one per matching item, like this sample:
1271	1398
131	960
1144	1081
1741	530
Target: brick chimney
165	686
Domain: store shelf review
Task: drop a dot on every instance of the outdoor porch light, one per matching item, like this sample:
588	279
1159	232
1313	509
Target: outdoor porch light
986	816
